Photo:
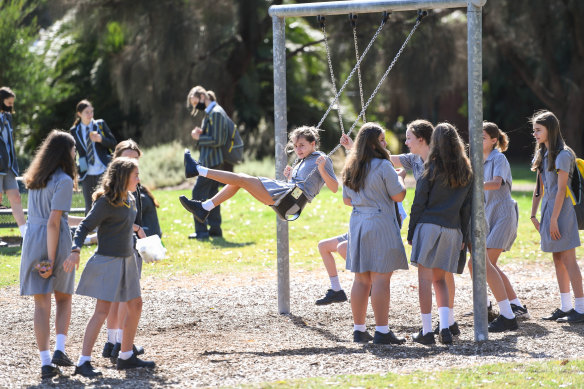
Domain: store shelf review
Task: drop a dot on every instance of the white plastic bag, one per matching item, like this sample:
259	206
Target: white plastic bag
151	248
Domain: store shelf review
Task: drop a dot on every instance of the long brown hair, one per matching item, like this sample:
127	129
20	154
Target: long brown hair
495	132
124	145
79	108
53	153
366	148
448	155
555	140
114	183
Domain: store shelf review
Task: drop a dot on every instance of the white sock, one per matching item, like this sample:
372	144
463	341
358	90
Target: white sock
360	327
488	302
443	316
505	309
208	205
60	345
451	320
125	354
335	283
202	170
516	301
22	229
426	323
83	359
382	329
112	336
566	300
579	304
45	357
119	336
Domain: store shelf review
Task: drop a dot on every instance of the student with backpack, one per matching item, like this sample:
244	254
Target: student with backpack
558	226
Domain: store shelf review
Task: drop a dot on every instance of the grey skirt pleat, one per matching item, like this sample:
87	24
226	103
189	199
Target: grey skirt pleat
114	279
435	246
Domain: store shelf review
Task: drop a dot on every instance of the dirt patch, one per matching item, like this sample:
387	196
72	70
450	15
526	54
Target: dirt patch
223	330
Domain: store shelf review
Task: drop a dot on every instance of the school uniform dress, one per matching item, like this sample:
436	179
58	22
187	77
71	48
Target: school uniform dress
501	212
567	222
8	162
111	274
311	186
439	223
414	163
56	195
374	236
93	156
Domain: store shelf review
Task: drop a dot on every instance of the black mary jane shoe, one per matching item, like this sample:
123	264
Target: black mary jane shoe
195	207
454	330
362	337
190	165
107	350
389	338
86	370
501	324
424	339
445	336
332	296
572	317
557	314
49	371
134	362
61	359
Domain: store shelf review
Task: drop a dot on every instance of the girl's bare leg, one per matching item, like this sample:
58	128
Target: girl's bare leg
63	312
134	308
449	277
94	326
573	270
113	322
440	287
425	289
380	297
561	272
360	297
493	255
16	205
251	184
326	248
42	318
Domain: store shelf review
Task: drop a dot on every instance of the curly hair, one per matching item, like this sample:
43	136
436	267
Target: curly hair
366	148
53	153
114	183
448	155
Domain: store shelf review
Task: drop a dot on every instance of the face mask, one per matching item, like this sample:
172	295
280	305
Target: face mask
6	108
200	106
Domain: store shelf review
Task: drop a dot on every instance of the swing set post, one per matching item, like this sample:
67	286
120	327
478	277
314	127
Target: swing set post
475	118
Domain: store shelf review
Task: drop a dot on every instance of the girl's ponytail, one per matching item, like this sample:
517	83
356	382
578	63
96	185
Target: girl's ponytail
502	141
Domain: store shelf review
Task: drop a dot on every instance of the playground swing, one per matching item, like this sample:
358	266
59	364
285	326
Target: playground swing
290	206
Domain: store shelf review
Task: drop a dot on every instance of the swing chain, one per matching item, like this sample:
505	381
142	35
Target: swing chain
330	65
353	18
418	21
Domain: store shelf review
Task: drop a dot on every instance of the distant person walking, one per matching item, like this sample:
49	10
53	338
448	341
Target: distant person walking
94	144
210	138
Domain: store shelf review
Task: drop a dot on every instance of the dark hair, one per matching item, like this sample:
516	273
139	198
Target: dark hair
149	194
421	129
448	155
124	145
307	132
53	153
79	108
555	140
114	183
6	93
366	148
495	132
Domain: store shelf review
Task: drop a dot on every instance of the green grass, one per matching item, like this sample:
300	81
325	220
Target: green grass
538	374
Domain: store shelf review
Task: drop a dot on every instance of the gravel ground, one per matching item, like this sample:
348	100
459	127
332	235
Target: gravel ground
222	330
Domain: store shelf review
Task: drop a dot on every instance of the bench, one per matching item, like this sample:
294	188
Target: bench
7	220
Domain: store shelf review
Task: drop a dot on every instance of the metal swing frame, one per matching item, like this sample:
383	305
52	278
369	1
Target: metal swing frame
475	118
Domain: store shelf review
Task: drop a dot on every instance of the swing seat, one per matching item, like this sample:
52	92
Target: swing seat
289	207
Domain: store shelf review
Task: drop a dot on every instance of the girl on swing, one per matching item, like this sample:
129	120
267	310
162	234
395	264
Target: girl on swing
304	140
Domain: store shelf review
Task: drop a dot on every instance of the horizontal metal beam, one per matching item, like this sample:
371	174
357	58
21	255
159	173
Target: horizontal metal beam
346	7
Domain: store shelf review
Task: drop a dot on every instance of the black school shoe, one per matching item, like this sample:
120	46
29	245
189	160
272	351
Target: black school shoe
138	350
195	207
332	297
557	314
521	313
389	338
61	359
445	336
501	324
107	350
454	330
133	362
190	165
424	339
572	317
49	371
361	337
86	370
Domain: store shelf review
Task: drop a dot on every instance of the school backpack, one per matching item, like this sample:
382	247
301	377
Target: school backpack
576	191
233	148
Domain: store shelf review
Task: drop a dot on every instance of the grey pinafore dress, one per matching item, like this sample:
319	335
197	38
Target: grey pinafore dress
375	242
56	195
501	211
567	222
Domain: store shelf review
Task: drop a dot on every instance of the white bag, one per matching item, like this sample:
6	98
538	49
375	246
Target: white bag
151	248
